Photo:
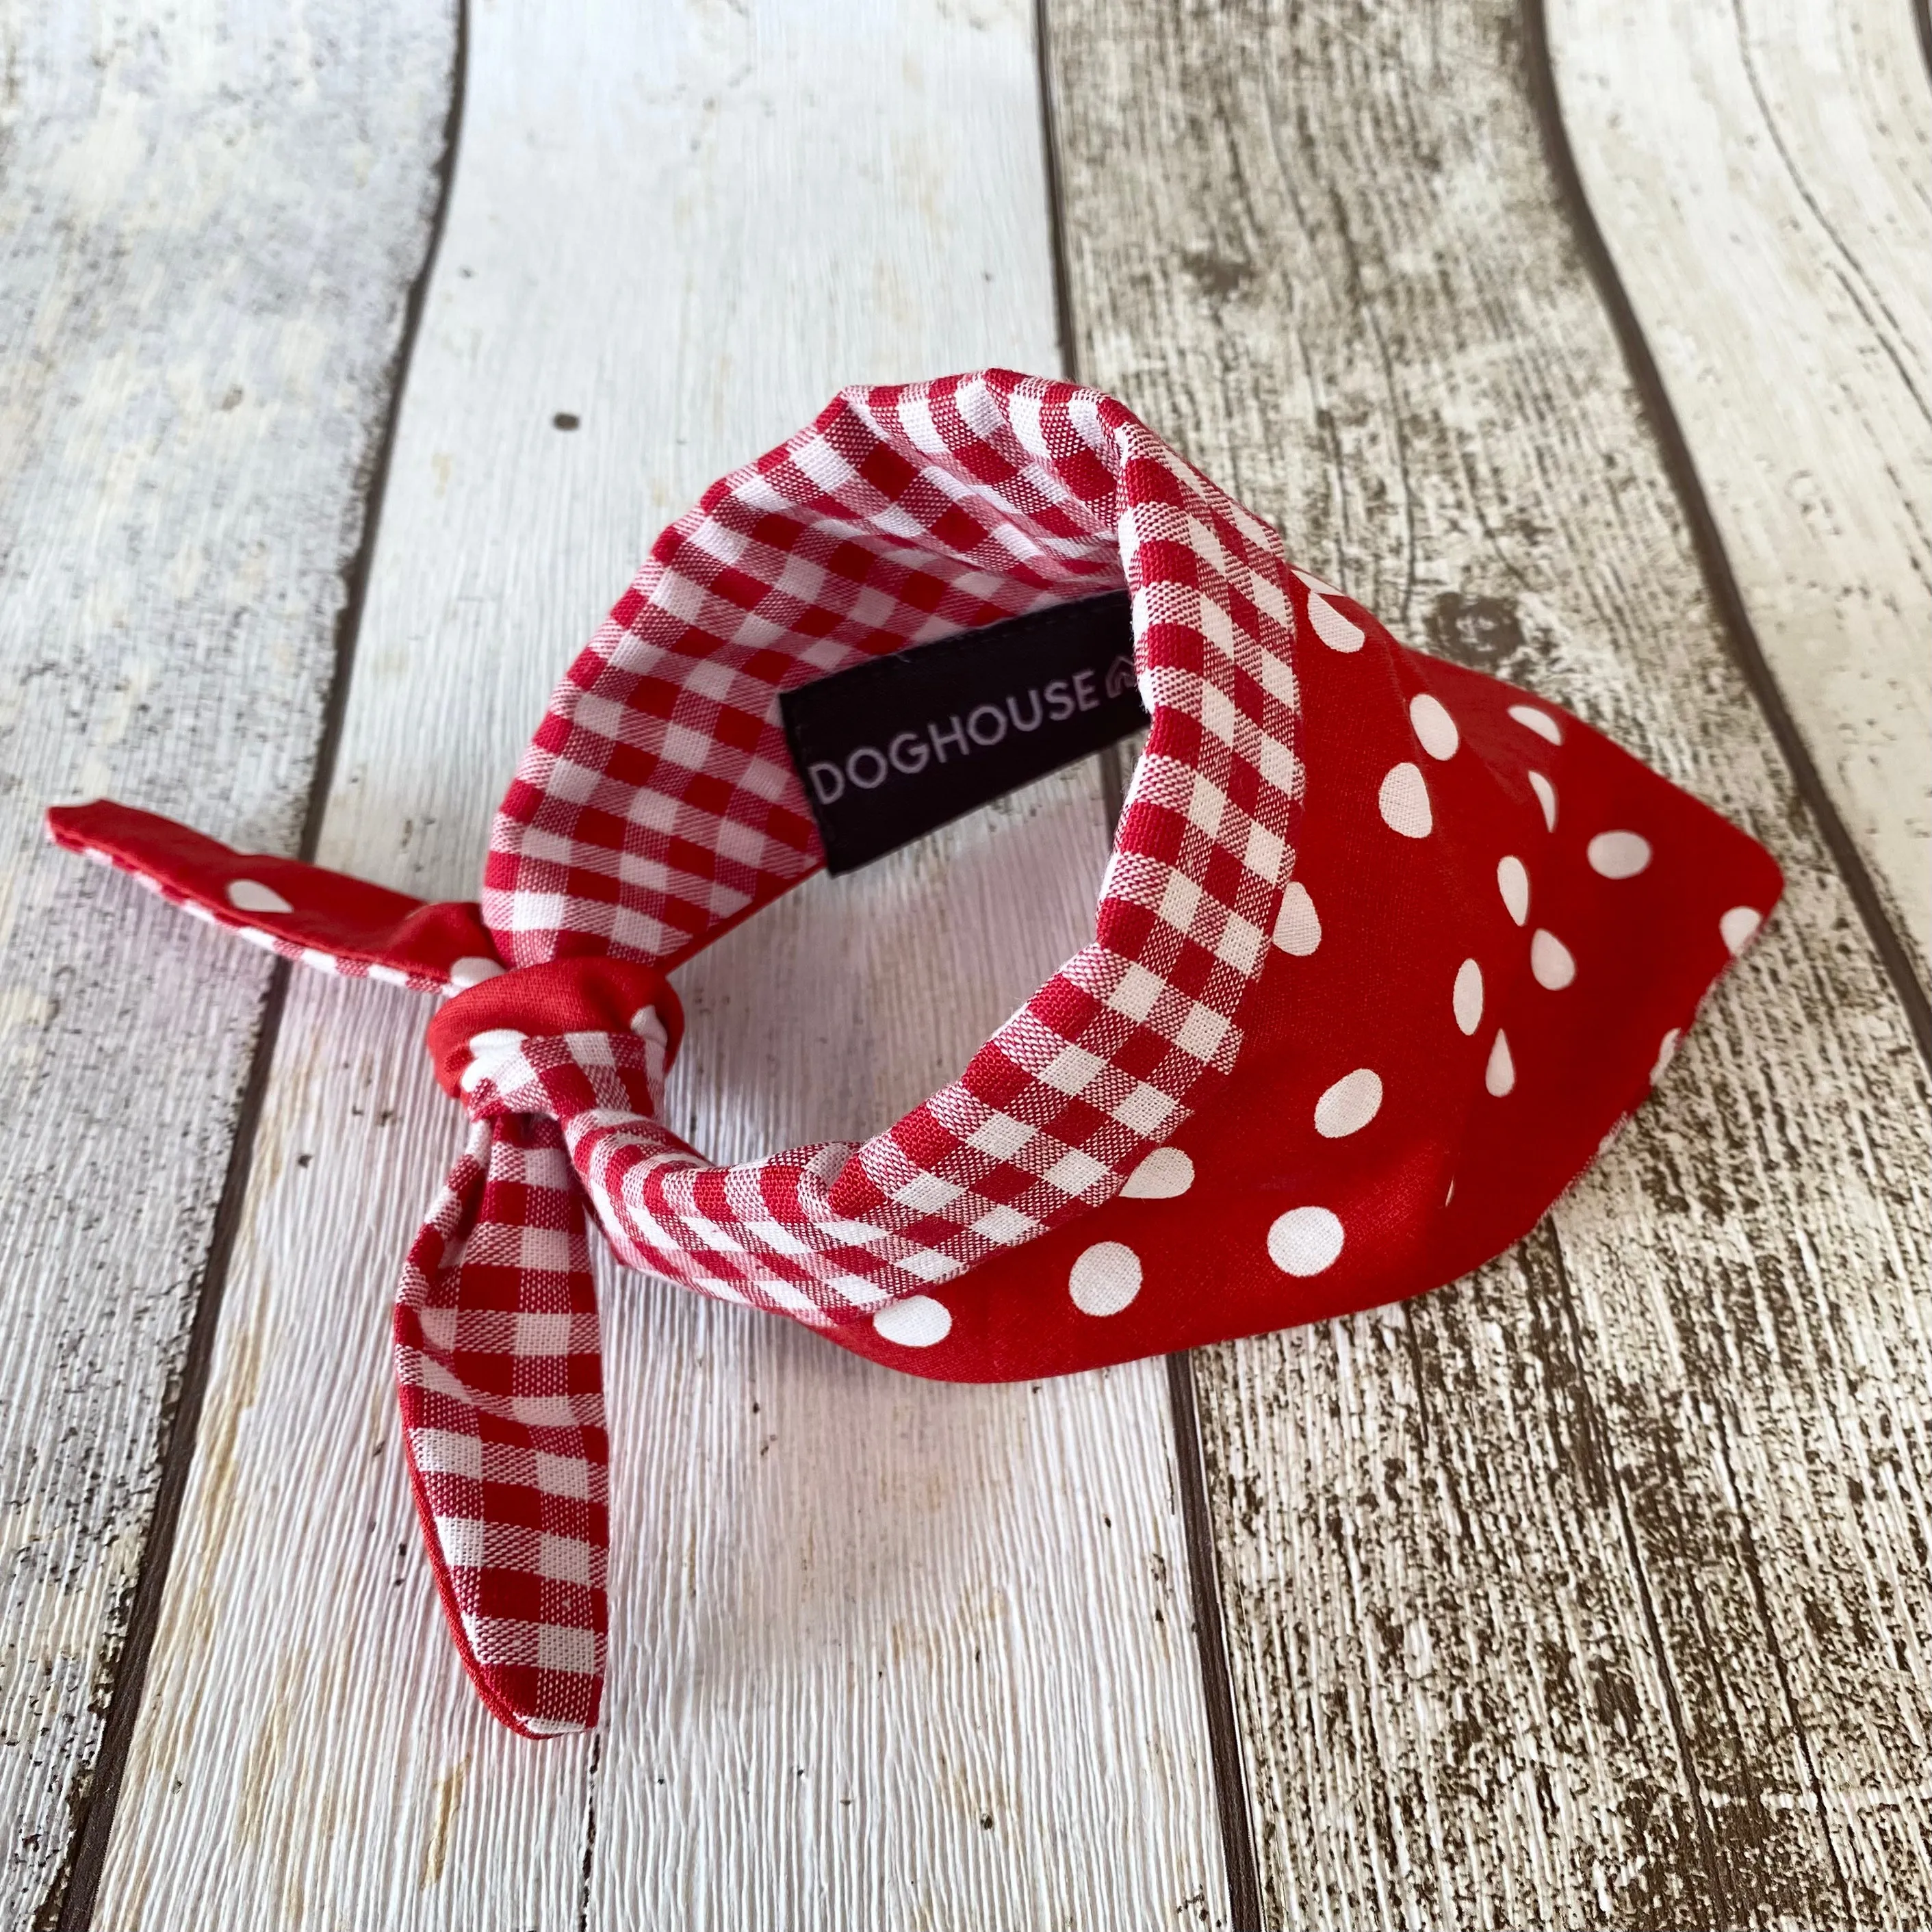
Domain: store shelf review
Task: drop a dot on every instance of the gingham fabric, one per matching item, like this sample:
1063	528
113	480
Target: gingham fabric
1319	1053
657	806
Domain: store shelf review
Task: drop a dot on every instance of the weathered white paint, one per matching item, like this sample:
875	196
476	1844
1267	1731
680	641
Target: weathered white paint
886	1652
1759	172
209	218
1593	1589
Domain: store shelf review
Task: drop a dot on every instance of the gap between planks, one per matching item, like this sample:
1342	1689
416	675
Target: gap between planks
1903	959
205	280
286	1687
89	1851
1232	1804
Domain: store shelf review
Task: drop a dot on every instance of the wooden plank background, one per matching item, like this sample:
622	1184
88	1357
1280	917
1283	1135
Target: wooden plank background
1761	173
1592	1590
1551	1597
209	224
858	1621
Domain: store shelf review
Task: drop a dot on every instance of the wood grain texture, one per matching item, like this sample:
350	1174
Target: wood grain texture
209	221
1762	174
1593	1589
885	1653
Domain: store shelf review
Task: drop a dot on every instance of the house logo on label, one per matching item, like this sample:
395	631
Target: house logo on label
1120	677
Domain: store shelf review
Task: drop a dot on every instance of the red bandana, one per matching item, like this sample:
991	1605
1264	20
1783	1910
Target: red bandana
1385	952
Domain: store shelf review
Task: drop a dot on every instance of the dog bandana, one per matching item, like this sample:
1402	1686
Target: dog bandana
1386	949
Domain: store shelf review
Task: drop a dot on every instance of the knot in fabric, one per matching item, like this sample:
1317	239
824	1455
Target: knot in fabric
498	1355
499	1037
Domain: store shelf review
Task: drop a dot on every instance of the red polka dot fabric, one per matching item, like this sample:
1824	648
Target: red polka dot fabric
1499	927
1386	951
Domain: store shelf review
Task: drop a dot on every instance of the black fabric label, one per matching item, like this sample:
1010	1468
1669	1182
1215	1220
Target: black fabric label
892	749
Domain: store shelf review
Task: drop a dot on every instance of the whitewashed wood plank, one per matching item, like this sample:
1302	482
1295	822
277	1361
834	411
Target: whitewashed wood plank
885	1652
209	221
1760	172
1592	1590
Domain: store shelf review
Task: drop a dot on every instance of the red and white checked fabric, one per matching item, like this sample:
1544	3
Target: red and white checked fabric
1041	1213
497	1356
657	806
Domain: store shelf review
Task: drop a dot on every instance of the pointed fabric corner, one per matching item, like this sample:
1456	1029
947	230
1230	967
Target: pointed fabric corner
1499	928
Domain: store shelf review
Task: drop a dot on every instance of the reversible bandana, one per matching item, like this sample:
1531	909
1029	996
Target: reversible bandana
1385	951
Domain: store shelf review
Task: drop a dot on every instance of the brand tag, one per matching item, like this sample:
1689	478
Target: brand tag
892	749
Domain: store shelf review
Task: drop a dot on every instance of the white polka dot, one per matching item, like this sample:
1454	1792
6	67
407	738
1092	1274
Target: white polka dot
473	971
1304	1241
1468	997
1512	882
1404	800
1546	796
1334	630
1553	962
1164	1173
1666	1051
916	1322
496	1041
1540	722
1314	583
1297	928
1499	1076
251	896
1739	925
1105	1278
1350	1104
490	1051
1433	726
1618	855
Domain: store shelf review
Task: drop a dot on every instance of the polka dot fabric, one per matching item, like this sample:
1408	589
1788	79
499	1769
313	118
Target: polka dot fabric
1452	1021
332	923
1385	952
